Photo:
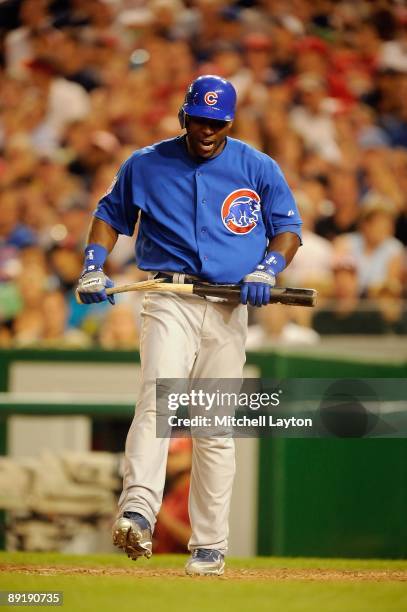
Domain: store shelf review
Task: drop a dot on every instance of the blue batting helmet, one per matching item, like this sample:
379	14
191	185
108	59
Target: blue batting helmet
209	96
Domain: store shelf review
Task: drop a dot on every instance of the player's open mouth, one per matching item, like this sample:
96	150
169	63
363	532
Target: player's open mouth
207	145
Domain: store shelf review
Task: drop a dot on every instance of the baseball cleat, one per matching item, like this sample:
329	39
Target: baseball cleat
205	562
132	533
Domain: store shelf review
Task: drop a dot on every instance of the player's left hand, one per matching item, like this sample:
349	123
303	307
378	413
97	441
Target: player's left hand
256	288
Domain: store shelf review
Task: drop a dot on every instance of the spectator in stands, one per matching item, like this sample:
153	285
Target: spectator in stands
19	161
394	115
72	55
343	192
312	120
344	314
37	213
369	135
257	54
65	262
119	330
281	143
378	178
99	148
66	101
13	233
277	326
284	32
34	18
378	254
55	331
28	324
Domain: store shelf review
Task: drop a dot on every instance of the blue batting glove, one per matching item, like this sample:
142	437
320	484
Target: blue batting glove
256	286
93	282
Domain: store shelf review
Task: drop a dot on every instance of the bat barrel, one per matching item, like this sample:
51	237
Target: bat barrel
295	300
294	296
283	295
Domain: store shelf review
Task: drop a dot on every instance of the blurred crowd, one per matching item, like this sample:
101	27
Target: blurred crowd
322	86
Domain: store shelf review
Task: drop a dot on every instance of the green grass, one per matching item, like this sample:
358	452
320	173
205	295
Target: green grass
104	593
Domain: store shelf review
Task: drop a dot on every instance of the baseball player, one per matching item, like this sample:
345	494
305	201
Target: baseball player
213	208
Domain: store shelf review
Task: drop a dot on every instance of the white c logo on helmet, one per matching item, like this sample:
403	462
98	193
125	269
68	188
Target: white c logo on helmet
211	97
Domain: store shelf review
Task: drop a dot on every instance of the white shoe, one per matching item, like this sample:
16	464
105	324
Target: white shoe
205	562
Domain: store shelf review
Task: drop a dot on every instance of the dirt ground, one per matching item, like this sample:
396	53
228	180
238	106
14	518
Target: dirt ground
281	574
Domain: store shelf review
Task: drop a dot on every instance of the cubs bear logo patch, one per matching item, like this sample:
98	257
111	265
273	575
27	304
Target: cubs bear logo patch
240	211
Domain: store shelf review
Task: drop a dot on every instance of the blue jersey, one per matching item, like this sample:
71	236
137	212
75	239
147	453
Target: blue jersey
210	218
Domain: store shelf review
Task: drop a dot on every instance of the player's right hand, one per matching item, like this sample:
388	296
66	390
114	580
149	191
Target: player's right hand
92	286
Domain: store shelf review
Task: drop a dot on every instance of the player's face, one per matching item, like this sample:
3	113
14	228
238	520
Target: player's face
206	137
